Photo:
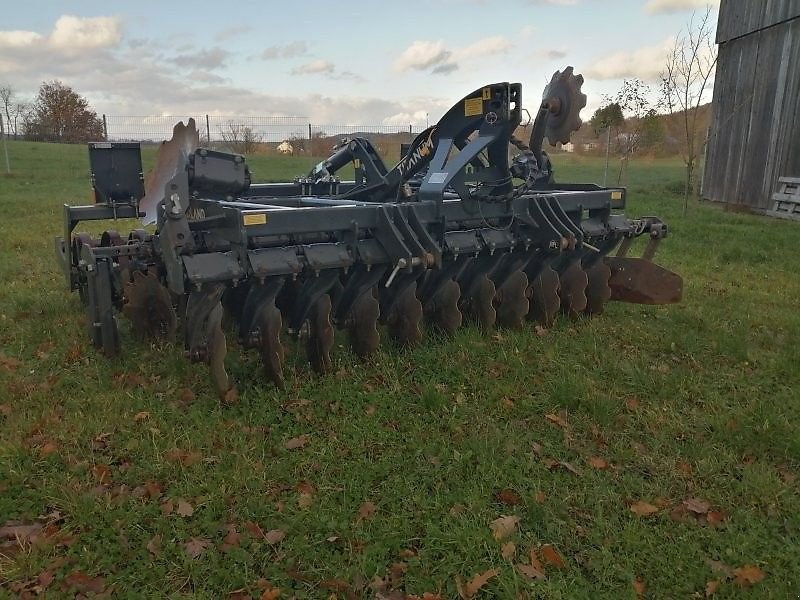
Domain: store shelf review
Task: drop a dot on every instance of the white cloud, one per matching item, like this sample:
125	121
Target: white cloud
232	32
644	63
670	6
208	58
423	55
407	118
315	67
420	55
76	33
290	50
18	39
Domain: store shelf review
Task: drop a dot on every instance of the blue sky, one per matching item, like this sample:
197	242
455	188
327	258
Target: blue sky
363	63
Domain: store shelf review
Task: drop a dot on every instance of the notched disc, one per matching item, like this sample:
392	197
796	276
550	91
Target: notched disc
442	310
149	307
404	320
320	335
572	286
362	324
598	290
545	301
270	324
514	303
216	350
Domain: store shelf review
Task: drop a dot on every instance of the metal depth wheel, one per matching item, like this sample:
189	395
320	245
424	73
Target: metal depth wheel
320	335
564	95
598	289
362	324
149	307
573	282
404	320
545	300
513	302
442	310
269	323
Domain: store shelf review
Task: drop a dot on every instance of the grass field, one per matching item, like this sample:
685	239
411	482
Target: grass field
651	451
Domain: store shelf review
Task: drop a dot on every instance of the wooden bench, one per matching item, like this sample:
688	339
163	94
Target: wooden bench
787	199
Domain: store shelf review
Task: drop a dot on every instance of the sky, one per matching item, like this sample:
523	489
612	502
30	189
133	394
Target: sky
375	63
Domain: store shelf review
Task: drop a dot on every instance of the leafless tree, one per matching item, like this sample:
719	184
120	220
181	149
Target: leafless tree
240	138
15	112
689	68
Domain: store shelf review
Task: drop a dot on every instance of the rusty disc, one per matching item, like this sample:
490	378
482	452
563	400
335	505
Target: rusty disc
598	290
269	323
444	313
216	350
149	307
545	301
362	324
404	321
514	303
640	281
572	284
481	301
320	335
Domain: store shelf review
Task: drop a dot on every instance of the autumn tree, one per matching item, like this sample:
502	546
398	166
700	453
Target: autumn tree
61	115
689	68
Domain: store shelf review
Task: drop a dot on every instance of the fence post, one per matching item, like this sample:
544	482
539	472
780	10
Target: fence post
309	139
208	131
5	145
105	128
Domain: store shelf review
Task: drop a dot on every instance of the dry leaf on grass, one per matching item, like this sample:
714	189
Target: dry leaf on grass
23	533
154	545
81	582
508	550
531	572
102	473
274	536
184	457
557	419
183	508
748	575
196	546
305	500
367	510
473	586
504	526
643	509
597	462
712	587
551	556
141	416
297	442
508	497
696	505
639	587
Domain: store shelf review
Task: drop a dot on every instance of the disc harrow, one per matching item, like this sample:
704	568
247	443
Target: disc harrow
458	231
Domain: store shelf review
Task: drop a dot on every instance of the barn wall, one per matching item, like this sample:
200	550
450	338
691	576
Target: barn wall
755	129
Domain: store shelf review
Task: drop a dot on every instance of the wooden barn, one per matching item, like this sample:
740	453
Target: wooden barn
754	137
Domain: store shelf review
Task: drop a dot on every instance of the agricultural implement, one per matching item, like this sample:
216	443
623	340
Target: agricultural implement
468	225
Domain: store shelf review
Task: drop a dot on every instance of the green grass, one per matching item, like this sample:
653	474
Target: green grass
695	400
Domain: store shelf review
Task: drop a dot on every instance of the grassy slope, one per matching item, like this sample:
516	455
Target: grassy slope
695	400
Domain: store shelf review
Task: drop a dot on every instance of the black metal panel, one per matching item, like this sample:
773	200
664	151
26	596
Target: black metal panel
116	171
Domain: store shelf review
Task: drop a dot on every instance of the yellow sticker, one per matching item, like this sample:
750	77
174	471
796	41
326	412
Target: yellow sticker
487	93
616	195
356	163
254	219
473	107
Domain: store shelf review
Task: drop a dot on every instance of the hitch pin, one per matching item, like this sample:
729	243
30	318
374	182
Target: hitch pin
401	264
590	247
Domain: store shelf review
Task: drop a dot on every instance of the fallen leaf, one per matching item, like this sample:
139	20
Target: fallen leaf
254	529
231	396
48	448
748	575
154	545
508	497
297	442
102	473
240	594
539	497
531	572
696	505
597	462
81	582
23	533
274	536
271	594
305	500
196	546
503	527
632	403
473	586
183	508
45	578
231	540
643	509
167	507
508	550
457	509
711	587
720	567
9	363
557	420
551	556
715	517
639	587
186	396
184	457
141	416
366	511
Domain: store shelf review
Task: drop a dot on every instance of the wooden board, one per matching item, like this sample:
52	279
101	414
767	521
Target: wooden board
738	18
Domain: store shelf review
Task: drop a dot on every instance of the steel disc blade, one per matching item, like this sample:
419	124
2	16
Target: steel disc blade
404	322
270	324
320	336
545	301
217	349
481	299
573	283
149	307
444	313
598	289
363	324
514	303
